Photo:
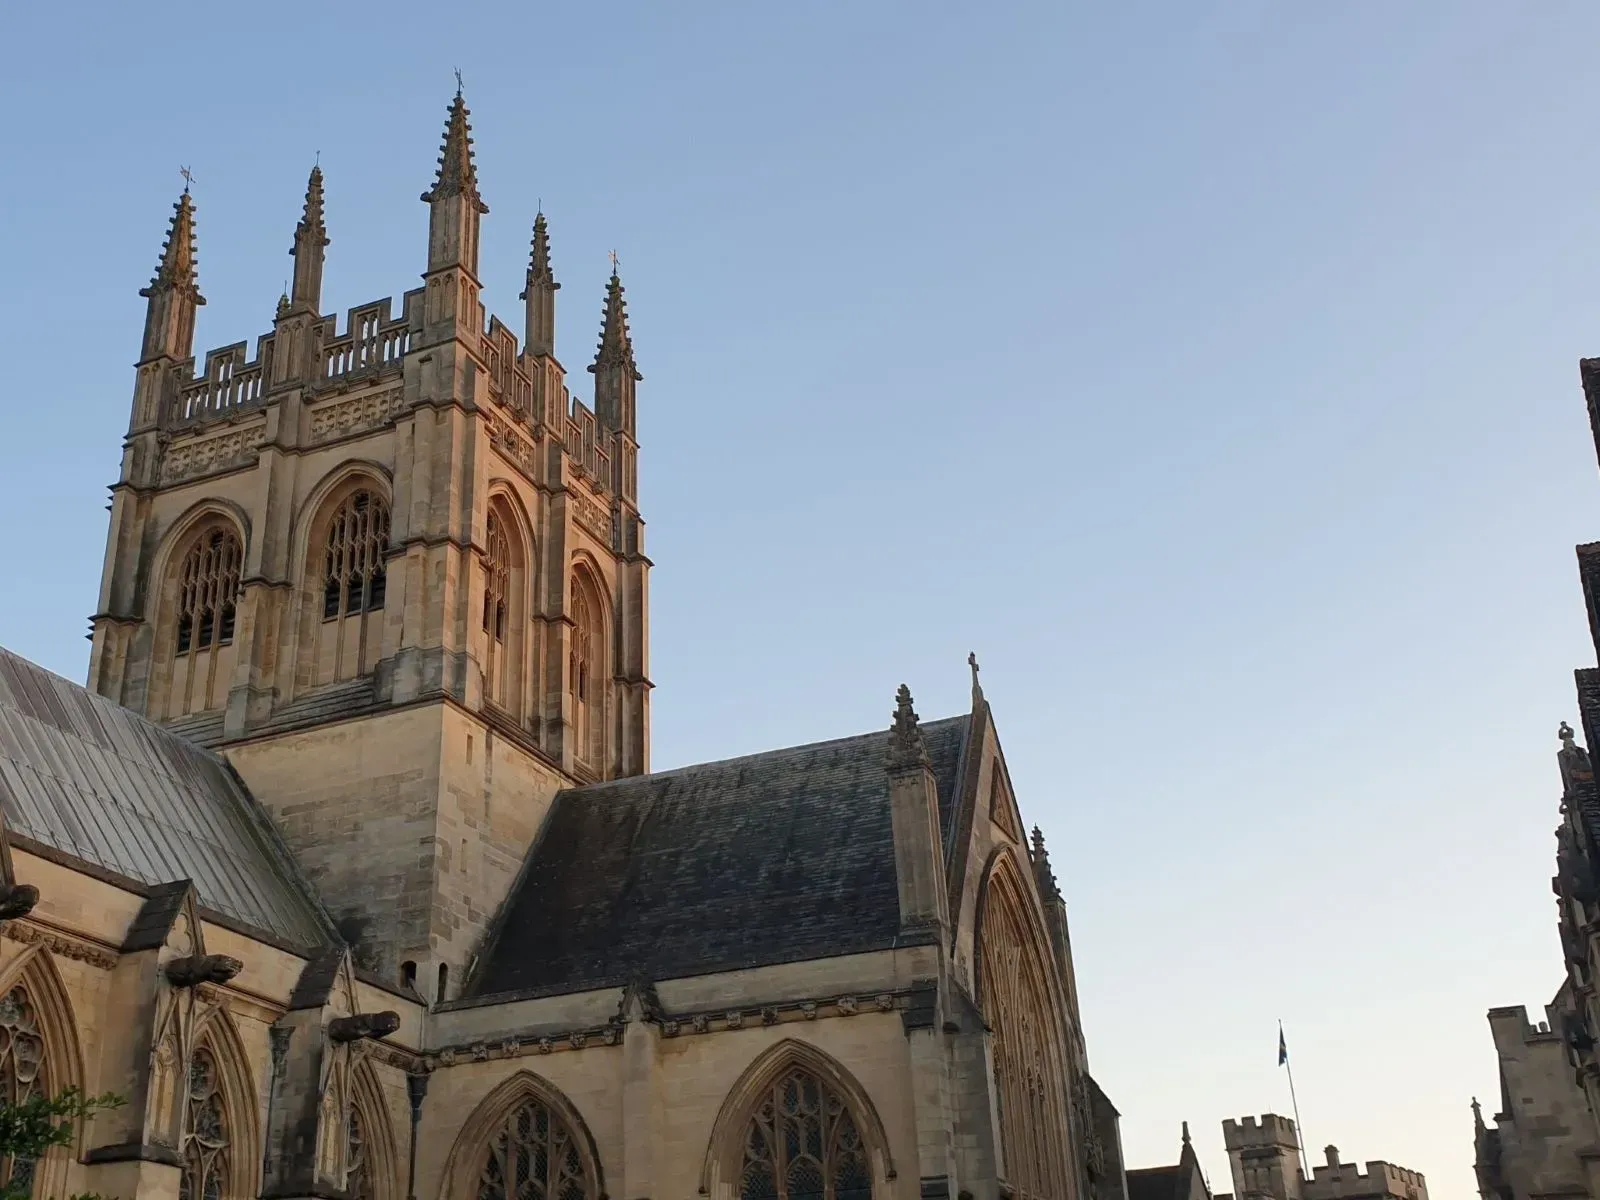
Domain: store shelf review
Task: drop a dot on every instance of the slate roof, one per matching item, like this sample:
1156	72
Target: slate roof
1157	1183
772	858
92	780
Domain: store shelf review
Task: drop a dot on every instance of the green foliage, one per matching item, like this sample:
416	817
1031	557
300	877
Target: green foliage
31	1127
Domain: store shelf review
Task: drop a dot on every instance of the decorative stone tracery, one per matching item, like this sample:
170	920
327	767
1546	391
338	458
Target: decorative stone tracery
1030	1069
802	1143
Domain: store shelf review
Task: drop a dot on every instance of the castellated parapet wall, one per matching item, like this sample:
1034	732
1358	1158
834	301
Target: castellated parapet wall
1348	1182
1271	1130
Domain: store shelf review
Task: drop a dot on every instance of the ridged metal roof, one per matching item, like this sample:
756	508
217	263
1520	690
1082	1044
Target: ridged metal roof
94	781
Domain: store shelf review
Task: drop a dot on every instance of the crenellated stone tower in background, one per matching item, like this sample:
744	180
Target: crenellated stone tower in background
395	573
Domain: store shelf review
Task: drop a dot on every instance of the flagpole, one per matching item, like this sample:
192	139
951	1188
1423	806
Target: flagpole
1299	1130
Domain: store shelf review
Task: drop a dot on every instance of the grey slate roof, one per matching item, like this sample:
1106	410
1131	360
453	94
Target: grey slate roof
1158	1183
771	858
98	783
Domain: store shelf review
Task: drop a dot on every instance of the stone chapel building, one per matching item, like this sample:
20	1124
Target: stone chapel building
348	870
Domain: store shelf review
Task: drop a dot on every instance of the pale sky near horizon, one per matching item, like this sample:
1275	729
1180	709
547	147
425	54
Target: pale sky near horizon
1209	368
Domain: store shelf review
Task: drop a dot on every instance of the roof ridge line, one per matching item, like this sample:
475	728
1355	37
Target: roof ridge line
718	762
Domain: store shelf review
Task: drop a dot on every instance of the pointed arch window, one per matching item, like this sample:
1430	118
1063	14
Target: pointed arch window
208	592
205	1134
584	670
534	1156
353	579
803	1143
1030	1072
497	580
22	1074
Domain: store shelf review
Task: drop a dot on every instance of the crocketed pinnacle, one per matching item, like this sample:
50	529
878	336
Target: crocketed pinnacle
311	230
456	176
176	270
1042	873
616	343
539	258
906	745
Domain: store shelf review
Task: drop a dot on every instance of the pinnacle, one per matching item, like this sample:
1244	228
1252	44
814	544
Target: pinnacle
539	257
457	176
616	343
176	269
311	223
906	745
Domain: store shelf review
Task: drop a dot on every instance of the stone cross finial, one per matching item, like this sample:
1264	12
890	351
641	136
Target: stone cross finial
1186	1133
977	688
906	745
1567	737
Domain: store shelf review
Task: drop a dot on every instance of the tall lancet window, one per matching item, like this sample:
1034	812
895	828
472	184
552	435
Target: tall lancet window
22	1074
534	1156
357	1177
802	1143
585	673
204	596
497	577
205	1133
354	585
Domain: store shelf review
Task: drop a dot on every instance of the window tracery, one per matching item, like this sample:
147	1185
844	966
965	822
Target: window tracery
353	578
803	1143
1029	1069
208	592
22	1073
497	579
205	1135
584	670
534	1156
357	1177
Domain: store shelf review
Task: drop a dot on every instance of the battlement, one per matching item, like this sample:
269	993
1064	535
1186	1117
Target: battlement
1511	1021
1272	1130
1346	1181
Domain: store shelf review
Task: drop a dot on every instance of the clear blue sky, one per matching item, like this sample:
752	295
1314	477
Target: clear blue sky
1209	368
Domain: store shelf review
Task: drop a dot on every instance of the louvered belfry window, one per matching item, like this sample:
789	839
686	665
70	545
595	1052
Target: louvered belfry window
534	1156
208	591
358	539
802	1143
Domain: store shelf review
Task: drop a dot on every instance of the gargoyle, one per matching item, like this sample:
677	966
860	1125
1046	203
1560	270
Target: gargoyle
202	968
17	900
363	1025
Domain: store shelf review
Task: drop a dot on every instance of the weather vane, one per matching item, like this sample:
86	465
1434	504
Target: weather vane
613	262
458	81
188	177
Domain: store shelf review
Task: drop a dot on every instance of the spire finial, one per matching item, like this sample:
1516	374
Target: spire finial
1477	1112
906	745
1186	1133
1568	738
188	178
977	688
456	176
539	256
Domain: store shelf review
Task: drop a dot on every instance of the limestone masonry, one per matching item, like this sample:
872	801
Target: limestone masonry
347	869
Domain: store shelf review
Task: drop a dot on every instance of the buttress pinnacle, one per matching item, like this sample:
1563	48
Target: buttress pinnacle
906	745
457	176
311	229
616	343
176	270
539	258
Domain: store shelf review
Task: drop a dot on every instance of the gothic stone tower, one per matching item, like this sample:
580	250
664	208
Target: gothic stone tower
396	574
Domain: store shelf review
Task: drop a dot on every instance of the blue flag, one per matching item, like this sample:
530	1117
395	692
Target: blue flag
1283	1048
